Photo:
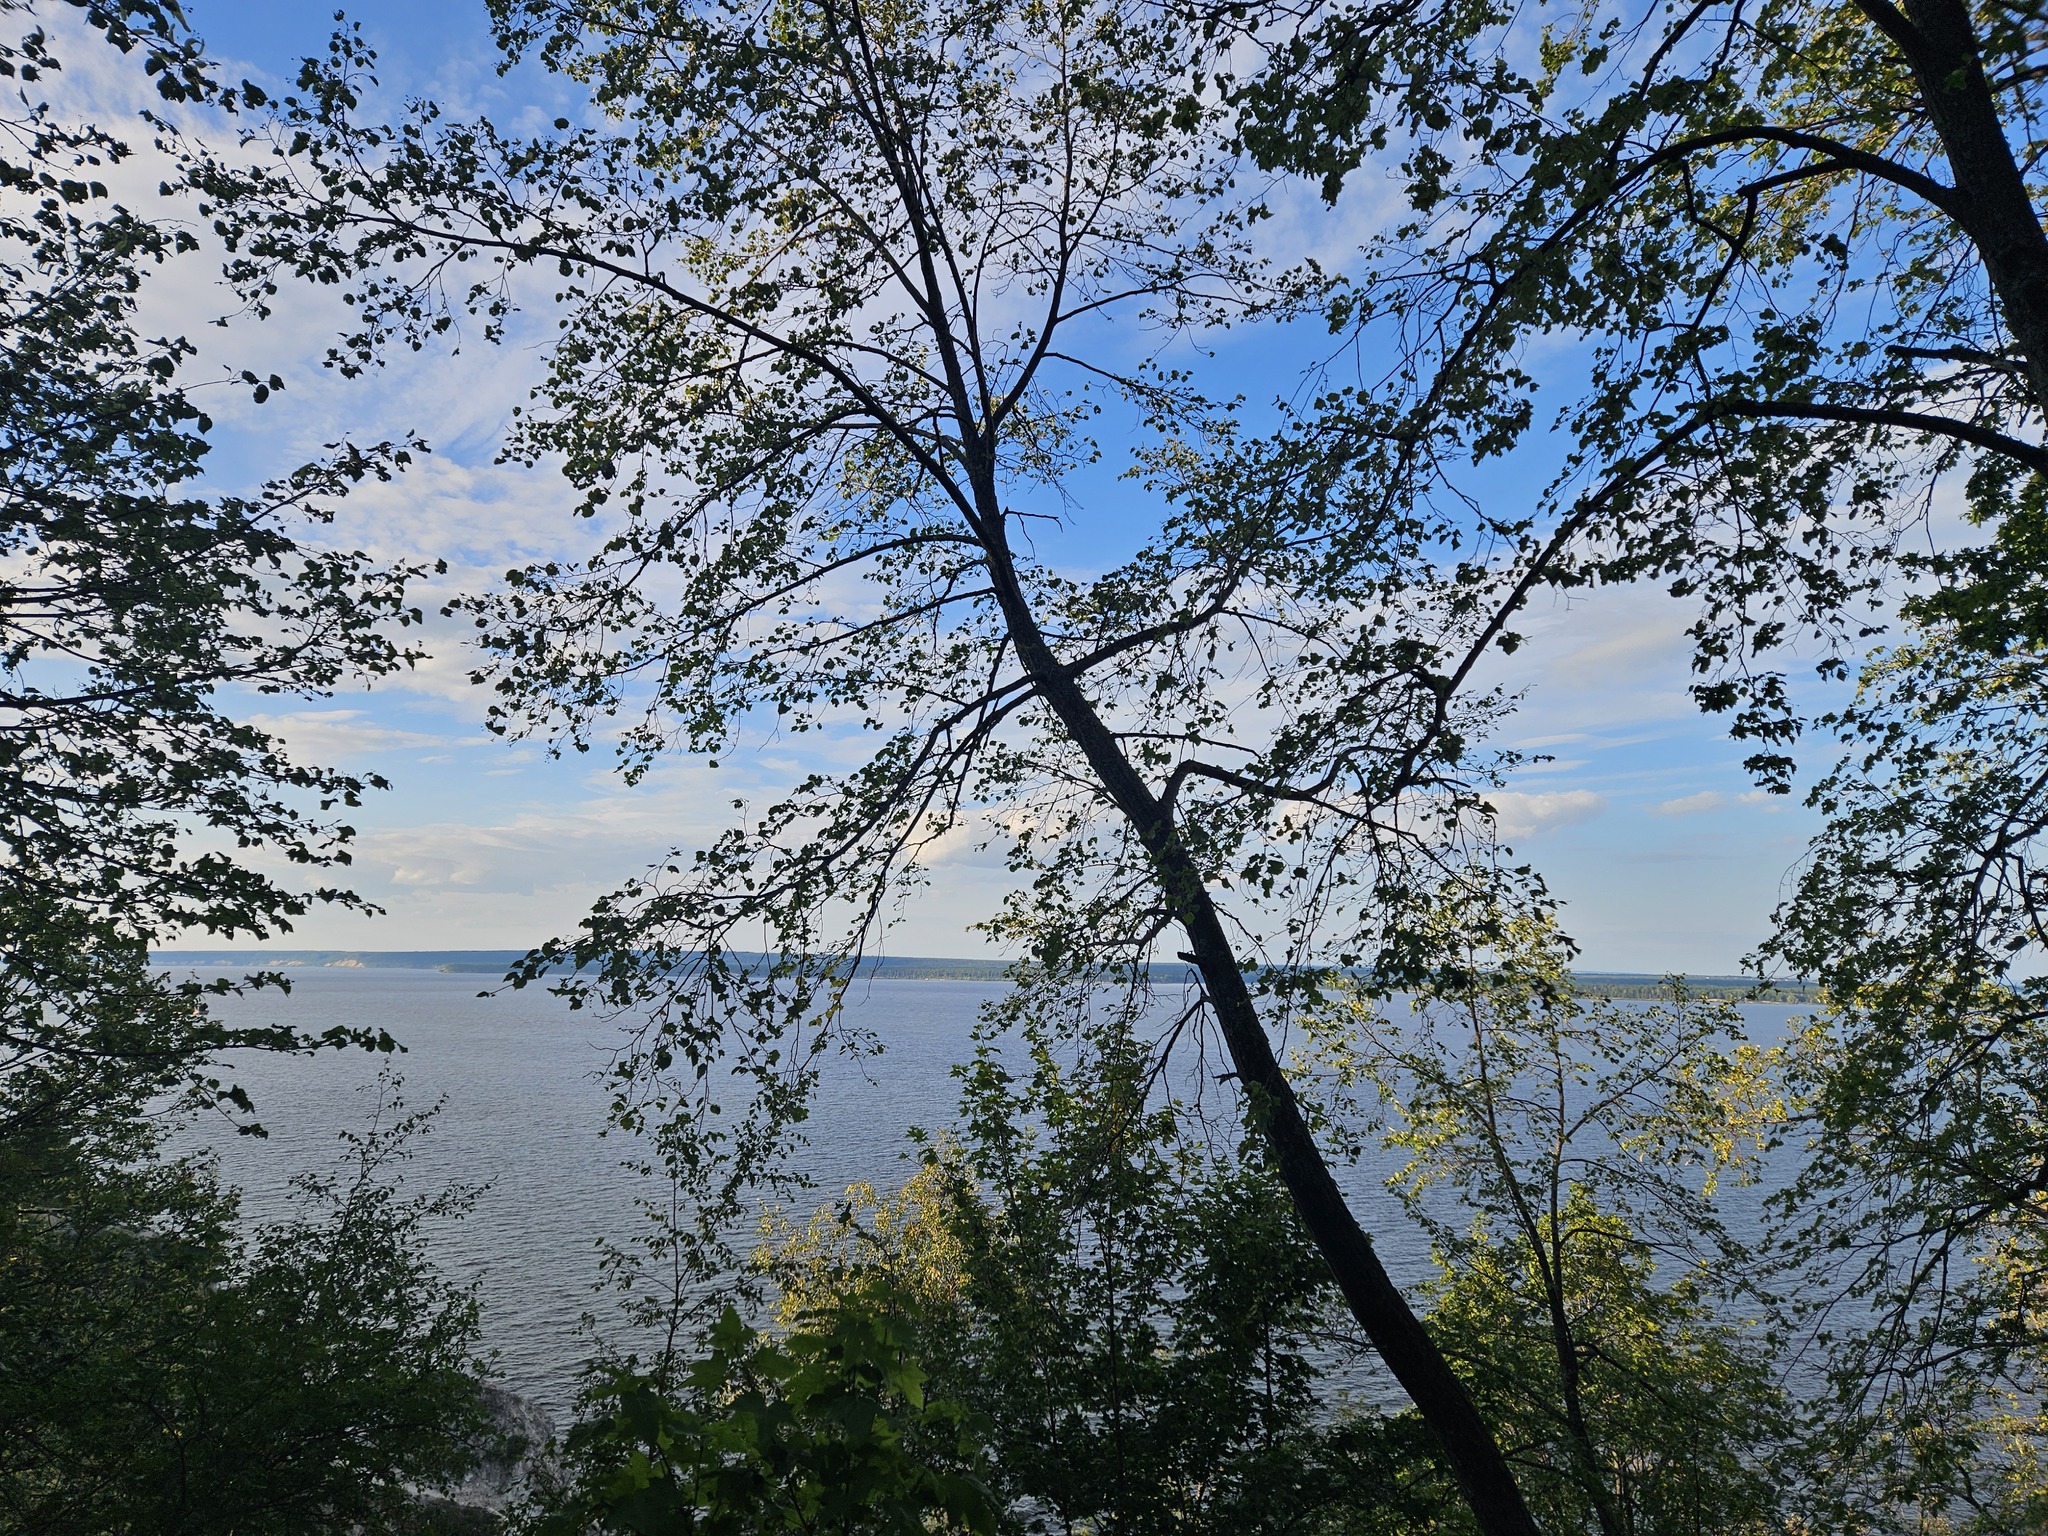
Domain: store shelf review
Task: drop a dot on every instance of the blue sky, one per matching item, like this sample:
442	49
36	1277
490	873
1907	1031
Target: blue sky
1644	821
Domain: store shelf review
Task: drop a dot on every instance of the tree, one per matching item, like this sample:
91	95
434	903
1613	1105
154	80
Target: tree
1682	1415
1589	1299
1800	247
841	288
131	599
828	1430
159	1370
1127	1305
1923	1199
168	1371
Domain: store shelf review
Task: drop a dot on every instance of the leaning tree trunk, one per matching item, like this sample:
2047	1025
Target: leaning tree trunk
1396	1333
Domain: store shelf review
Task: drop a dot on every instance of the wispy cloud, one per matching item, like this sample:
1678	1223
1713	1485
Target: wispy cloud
340	735
1693	805
1519	814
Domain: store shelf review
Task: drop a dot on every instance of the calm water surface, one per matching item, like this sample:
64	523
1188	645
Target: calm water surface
523	1111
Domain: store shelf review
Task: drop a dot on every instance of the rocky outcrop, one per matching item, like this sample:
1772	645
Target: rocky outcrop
509	1453
520	1432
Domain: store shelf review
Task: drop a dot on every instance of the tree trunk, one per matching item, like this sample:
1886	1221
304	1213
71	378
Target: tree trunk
1397	1334
1939	41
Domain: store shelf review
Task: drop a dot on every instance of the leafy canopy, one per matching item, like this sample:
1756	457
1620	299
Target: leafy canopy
173	1369
828	1429
133	799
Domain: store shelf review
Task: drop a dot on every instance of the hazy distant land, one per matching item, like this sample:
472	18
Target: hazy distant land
1631	986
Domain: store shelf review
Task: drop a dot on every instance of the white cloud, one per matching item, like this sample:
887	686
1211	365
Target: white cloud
1693	805
336	735
531	854
1518	814
1616	659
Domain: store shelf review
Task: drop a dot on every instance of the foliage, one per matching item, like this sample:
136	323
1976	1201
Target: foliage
1594	1302
1130	1308
1920	1227
1790	249
1656	1415
1797	254
828	1430
160	1372
132	800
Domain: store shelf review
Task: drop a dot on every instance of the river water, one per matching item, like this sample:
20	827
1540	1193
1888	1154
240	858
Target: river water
523	1112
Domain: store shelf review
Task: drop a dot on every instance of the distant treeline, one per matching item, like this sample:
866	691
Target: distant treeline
1624	986
496	962
1619	986
480	961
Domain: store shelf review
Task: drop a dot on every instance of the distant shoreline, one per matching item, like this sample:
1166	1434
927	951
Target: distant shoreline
496	962
1618	986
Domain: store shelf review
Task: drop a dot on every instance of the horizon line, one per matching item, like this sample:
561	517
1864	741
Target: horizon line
465	959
